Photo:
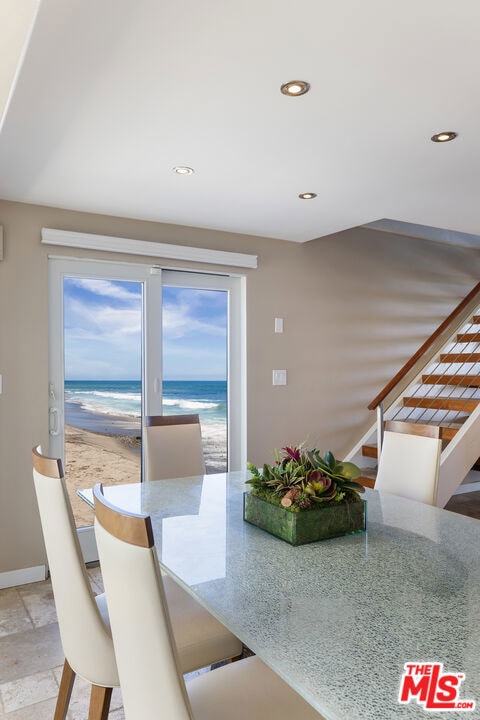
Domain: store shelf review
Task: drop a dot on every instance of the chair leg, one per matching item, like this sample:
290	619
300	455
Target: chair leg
235	659
99	702
64	692
246	652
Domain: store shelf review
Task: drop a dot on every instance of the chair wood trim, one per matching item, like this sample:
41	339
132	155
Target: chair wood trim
64	692
398	426
99	702
161	420
51	467
129	527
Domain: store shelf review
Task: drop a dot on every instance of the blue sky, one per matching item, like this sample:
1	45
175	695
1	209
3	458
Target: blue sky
102	321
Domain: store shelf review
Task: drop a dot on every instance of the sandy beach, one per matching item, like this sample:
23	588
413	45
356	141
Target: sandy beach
92	457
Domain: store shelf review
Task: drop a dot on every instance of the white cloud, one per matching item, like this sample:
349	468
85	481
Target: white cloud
178	322
106	288
103	332
104	322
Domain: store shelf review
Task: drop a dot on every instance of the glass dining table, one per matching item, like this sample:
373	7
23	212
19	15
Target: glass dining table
355	623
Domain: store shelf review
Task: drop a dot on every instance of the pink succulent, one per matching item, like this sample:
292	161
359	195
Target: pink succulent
317	476
292	452
321	486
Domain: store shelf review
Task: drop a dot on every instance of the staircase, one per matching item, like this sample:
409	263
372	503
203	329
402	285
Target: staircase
440	385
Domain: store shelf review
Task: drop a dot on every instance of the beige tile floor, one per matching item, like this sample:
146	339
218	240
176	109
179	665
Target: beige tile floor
31	656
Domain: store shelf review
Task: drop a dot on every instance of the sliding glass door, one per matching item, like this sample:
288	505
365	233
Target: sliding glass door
128	340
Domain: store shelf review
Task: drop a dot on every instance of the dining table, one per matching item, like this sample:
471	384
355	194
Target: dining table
354	624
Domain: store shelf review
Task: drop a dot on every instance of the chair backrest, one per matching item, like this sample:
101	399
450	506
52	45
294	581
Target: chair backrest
172	447
86	640
410	461
151	683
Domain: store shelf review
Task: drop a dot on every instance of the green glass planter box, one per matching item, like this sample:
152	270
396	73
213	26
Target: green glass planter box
306	526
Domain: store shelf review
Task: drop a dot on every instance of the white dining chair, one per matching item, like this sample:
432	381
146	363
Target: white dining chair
82	617
172	447
410	461
152	685
201	640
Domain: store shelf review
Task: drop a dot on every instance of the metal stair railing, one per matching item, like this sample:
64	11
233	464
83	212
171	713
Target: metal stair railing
424	356
442	391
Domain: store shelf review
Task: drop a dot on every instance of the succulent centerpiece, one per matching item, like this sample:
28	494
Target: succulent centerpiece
305	496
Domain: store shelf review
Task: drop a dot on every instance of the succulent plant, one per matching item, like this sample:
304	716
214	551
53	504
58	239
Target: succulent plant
300	478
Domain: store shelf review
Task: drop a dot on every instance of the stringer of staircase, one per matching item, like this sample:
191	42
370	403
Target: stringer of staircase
445	391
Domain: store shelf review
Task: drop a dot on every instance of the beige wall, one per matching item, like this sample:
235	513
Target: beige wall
355	305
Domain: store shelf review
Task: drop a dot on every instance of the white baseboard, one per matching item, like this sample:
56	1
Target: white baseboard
23	576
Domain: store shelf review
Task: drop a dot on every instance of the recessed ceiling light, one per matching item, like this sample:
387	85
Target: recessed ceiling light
444	136
295	87
183	170
307	196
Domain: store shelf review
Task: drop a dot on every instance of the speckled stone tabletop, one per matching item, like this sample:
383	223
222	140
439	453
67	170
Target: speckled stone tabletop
339	618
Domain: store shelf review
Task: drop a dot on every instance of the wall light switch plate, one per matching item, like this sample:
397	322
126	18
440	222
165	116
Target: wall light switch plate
279	325
279	377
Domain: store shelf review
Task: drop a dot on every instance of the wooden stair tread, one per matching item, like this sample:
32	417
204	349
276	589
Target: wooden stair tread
441	403
366	481
476	319
445	379
447	433
468	337
460	357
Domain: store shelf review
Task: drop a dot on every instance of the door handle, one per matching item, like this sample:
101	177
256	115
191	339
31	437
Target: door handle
53	421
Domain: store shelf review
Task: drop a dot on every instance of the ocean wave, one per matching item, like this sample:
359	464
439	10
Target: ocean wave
136	397
190	404
133	409
103	410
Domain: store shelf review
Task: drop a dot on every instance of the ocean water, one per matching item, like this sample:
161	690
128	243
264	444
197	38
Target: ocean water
115	405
